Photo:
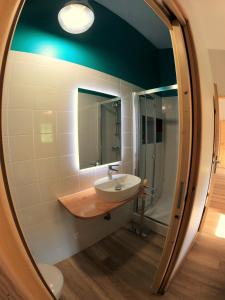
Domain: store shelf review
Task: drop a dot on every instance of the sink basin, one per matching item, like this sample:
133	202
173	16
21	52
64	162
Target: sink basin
119	188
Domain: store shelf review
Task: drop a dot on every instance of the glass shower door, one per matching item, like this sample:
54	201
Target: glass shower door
151	152
158	152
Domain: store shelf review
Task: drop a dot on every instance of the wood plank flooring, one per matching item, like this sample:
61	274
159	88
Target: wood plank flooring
121	266
218	190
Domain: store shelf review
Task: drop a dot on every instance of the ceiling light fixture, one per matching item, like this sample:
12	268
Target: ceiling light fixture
76	16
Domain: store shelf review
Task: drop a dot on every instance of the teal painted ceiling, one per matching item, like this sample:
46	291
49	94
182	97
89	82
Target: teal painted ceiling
139	15
111	45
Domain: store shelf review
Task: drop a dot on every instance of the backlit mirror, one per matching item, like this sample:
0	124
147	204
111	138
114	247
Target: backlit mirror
99	128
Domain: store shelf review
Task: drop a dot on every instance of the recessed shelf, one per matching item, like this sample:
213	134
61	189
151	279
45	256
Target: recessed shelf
87	205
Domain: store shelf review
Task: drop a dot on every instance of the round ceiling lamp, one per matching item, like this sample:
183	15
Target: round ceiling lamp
76	16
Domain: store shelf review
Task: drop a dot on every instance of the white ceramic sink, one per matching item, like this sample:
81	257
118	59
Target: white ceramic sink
119	188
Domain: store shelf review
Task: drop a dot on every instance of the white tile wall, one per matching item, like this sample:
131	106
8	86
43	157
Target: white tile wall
39	147
24	124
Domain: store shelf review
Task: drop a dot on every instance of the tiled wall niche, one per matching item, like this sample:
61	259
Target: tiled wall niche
39	149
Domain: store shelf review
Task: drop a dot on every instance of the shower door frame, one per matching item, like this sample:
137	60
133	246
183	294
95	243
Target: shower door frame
137	137
22	275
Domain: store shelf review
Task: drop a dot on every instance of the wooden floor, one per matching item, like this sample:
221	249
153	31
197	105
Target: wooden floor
119	267
218	190
122	265
202	275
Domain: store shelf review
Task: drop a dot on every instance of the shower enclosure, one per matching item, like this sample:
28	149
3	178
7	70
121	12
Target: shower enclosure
156	155
110	123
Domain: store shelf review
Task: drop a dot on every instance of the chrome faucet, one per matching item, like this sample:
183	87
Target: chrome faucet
111	169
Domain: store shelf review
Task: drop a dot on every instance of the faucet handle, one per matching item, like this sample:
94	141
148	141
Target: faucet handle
111	167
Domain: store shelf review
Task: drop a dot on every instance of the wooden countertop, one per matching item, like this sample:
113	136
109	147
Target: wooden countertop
86	204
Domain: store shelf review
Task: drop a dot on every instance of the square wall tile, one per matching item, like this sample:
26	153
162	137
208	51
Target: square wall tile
26	195
24	73
20	122
42	212
23	172
47	168
66	143
46	98
67	165
5	95
9	174
6	152
44	122
66	122
68	185
49	190
45	145
4	122
39	99
86	178
21	96
66	99
21	147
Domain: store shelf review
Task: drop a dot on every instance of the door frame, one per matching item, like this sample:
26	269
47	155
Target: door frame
22	278
28	278
173	9
184	152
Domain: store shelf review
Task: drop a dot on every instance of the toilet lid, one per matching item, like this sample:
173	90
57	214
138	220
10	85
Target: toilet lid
53	277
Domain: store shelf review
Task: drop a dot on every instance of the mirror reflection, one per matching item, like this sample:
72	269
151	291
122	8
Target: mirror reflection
99	128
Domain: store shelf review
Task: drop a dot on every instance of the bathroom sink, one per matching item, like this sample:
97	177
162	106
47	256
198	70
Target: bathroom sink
119	188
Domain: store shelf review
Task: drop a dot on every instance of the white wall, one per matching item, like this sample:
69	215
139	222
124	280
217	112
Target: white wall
39	138
222	108
217	60
194	11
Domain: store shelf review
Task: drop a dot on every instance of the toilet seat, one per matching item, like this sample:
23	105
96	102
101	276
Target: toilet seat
53	277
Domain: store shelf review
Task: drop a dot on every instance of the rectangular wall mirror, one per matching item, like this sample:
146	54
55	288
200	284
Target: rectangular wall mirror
99	128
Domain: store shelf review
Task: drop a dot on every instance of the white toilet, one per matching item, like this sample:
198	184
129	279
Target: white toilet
53	277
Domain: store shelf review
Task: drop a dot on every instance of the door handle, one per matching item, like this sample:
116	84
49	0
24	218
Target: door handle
216	162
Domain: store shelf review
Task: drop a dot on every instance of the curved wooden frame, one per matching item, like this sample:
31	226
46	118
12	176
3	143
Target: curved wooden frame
195	157
23	279
184	156
173	7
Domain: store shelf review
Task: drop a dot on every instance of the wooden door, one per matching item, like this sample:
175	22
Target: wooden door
216	154
222	132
